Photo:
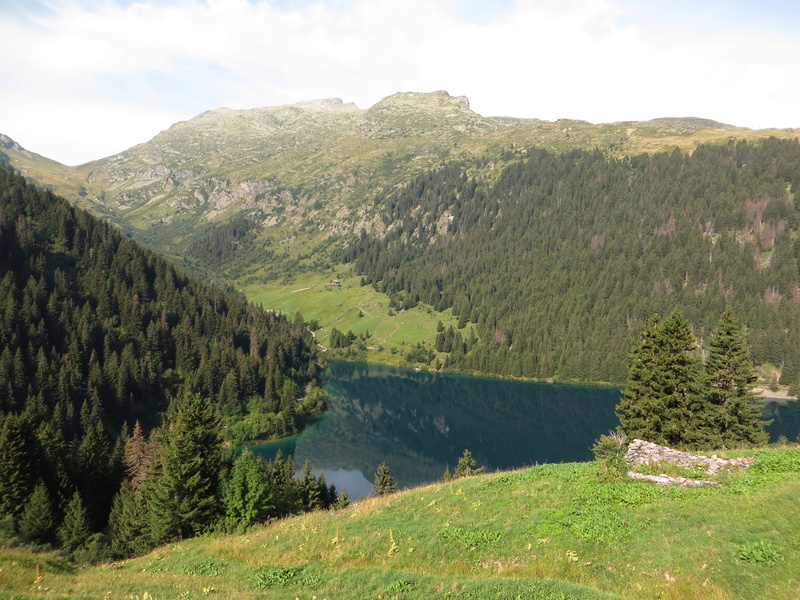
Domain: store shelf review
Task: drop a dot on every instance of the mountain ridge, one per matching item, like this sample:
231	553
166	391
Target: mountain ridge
308	172
225	162
416	99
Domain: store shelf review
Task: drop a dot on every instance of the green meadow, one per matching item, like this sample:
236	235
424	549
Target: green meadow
356	308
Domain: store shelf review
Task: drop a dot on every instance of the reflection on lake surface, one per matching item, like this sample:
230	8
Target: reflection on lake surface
419	423
785	417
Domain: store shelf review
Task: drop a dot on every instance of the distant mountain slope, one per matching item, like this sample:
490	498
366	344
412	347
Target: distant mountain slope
254	197
562	258
305	173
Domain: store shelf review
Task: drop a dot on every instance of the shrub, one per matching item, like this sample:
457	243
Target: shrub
609	451
777	461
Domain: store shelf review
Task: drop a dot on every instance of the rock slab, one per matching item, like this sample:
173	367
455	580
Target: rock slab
642	453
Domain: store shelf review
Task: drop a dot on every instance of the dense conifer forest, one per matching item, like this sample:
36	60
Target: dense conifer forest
561	258
93	323
102	342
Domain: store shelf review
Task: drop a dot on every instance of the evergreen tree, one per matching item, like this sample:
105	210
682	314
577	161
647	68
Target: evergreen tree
663	402
17	463
447	475
384	483
342	499
287	495
127	523
37	523
140	455
641	405
93	475
308	486
327	494
466	466
248	494
75	528
731	376
54	460
182	492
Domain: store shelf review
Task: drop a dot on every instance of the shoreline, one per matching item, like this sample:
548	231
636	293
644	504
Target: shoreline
781	396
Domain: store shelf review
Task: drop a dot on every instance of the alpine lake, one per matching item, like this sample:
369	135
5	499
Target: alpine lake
419	423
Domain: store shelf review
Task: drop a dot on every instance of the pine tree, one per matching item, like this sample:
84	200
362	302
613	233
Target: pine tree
342	499
447	475
663	402
37	523
327	494
182	490
384	483
127	526
641	403
17	463
287	495
54	461
731	376
75	528
93	471
248	494
308	486
140	455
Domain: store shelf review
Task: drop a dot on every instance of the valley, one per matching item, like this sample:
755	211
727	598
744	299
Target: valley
416	234
273	200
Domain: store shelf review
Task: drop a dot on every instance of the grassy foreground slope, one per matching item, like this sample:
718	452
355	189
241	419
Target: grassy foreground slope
547	532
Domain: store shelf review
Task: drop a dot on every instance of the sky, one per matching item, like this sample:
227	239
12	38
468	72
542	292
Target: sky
84	79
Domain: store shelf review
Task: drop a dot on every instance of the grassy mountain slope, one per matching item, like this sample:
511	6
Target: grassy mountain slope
547	532
261	197
317	165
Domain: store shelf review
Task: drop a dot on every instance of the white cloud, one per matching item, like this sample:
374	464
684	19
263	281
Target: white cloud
104	79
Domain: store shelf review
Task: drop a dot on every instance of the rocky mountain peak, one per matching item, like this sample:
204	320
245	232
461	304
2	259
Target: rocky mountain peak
437	99
425	115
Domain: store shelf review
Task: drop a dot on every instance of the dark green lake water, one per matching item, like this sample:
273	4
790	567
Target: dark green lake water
419	423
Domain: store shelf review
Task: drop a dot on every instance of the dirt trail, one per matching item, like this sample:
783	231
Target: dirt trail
396	327
369	314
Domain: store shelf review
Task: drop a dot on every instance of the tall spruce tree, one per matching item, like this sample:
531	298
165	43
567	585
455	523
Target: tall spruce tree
18	465
140	455
76	527
731	376
127	523
287	494
308	486
37	522
248	493
93	476
663	401
182	491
